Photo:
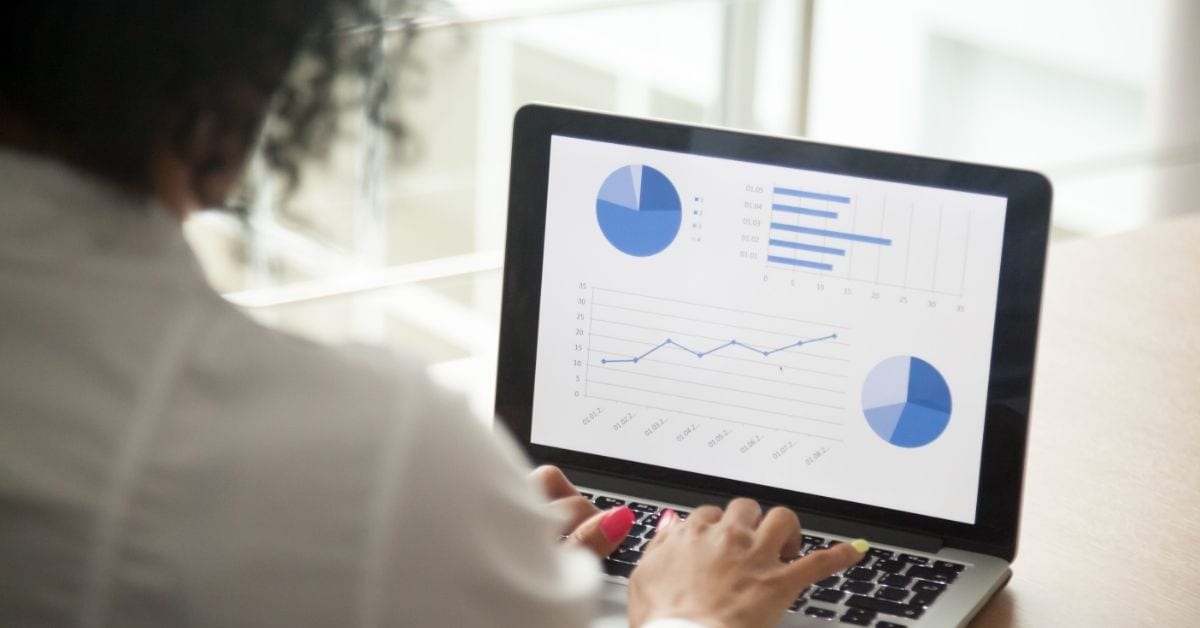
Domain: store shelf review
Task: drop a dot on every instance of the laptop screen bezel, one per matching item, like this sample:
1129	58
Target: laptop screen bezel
1026	231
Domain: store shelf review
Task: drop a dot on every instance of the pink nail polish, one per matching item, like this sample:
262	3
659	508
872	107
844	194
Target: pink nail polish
665	520
616	524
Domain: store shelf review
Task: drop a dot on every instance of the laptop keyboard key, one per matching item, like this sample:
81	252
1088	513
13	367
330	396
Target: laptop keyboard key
604	503
631	542
917	560
890	566
858	586
823	613
891	593
829	583
888	624
881	553
858	620
927	573
813	540
942	565
639	530
614	568
640	507
924	598
626	555
833	596
885	606
861	573
892	580
926	585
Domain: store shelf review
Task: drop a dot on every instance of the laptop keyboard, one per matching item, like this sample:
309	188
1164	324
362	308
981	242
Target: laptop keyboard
885	589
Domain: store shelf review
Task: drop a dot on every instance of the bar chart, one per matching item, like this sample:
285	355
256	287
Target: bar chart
890	241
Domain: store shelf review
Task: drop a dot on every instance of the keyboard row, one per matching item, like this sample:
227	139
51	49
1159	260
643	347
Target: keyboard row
886	582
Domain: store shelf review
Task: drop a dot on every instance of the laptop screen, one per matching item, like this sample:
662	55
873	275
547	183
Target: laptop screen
801	330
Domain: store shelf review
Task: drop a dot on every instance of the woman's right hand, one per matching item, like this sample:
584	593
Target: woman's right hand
729	569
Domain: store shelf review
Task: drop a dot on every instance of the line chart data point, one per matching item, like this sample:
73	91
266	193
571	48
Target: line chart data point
766	353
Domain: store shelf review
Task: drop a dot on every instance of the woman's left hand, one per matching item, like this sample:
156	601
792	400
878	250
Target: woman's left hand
600	532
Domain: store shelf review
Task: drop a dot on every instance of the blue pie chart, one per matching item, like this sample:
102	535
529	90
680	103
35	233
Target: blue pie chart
906	401
638	210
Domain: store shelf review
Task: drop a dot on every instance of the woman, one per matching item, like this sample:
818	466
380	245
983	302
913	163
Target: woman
167	461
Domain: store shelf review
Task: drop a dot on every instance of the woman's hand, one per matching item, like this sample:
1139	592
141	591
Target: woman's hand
728	569
601	532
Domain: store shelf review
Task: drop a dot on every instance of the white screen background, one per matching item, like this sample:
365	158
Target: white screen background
794	419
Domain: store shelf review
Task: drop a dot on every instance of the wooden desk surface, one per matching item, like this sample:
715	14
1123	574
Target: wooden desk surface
1111	527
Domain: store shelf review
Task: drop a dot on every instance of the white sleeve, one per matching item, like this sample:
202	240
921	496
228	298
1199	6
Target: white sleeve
459	535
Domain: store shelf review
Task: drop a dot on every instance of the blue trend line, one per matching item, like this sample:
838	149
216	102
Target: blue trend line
699	354
813	195
791	261
788	244
792	209
832	234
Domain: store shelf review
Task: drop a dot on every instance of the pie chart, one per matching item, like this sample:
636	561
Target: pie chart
906	401
638	210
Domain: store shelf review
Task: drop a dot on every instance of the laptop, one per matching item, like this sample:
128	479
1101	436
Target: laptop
693	313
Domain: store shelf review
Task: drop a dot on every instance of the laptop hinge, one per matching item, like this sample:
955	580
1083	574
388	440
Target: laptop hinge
810	520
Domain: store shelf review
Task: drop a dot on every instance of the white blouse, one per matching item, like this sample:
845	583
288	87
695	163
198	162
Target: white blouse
166	461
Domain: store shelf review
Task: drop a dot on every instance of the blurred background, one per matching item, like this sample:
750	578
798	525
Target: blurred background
400	244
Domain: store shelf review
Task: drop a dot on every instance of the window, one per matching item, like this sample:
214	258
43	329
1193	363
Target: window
401	244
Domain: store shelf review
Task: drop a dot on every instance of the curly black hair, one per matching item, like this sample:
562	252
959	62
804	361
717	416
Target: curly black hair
109	82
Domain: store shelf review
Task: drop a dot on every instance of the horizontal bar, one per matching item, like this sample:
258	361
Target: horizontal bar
799	262
806	247
833	198
842	235
791	209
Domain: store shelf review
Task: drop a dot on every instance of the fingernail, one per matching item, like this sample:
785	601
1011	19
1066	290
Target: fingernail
616	524
860	545
667	517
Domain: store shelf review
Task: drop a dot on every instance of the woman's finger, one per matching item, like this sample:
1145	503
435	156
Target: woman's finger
823	563
667	521
552	482
603	532
577	508
743	511
779	534
706	514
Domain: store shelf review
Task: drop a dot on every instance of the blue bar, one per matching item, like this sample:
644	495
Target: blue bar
806	247
832	234
799	262
820	213
833	198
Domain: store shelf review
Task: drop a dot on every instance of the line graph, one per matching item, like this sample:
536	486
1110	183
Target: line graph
727	364
700	354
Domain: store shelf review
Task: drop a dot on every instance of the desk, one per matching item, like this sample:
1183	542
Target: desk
1111	529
